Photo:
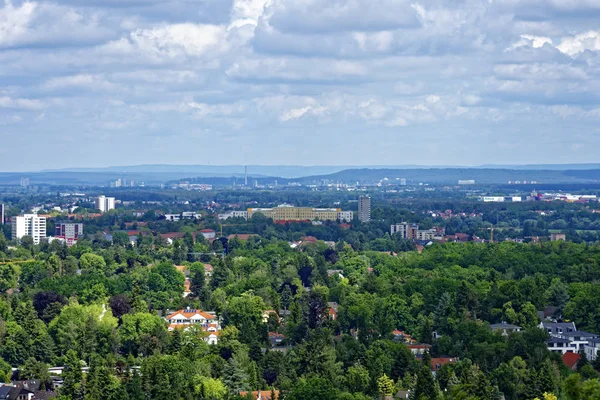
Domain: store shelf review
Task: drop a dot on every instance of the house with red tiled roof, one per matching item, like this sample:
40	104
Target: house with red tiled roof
439	362
262	394
332	310
184	319
208	270
570	360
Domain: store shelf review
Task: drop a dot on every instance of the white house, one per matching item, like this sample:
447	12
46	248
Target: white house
346	216
172	217
565	338
185	319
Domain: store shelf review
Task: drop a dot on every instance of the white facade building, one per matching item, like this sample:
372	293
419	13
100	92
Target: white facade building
29	225
172	217
234	214
565	338
105	204
184	319
346	216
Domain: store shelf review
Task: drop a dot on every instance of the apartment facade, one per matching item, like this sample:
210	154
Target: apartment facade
565	338
290	213
70	231
405	230
364	208
29	225
105	204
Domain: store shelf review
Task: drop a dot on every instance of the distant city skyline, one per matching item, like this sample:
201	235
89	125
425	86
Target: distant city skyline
90	83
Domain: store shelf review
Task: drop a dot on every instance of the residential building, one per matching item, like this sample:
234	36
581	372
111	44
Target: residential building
208	234
364	208
2	214
405	230
183	215
438	362
190	215
184	319
24	182
69	231
286	212
234	214
275	339
172	217
419	348
555	237
493	199
505	328
592	348
29	225
345	216
262	394
105	204
208	271
332	310
402	181
565	338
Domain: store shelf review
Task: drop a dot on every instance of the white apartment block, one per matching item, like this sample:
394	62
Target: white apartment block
234	214
29	225
105	204
346	216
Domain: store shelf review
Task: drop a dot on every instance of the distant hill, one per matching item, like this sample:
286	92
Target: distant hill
227	174
453	175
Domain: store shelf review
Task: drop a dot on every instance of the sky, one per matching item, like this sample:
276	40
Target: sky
91	83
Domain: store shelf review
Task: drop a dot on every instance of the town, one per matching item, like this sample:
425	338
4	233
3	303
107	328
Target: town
197	269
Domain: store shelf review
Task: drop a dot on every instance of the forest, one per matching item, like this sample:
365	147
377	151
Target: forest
101	306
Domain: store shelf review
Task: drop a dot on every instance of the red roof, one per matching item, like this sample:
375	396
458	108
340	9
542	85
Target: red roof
262	395
570	359
190	313
207	230
437	363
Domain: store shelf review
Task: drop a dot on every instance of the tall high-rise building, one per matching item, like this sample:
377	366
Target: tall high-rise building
105	204
24	182
29	225
2	214
364	208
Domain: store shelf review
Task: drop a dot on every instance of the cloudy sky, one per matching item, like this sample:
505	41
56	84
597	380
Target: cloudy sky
123	82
